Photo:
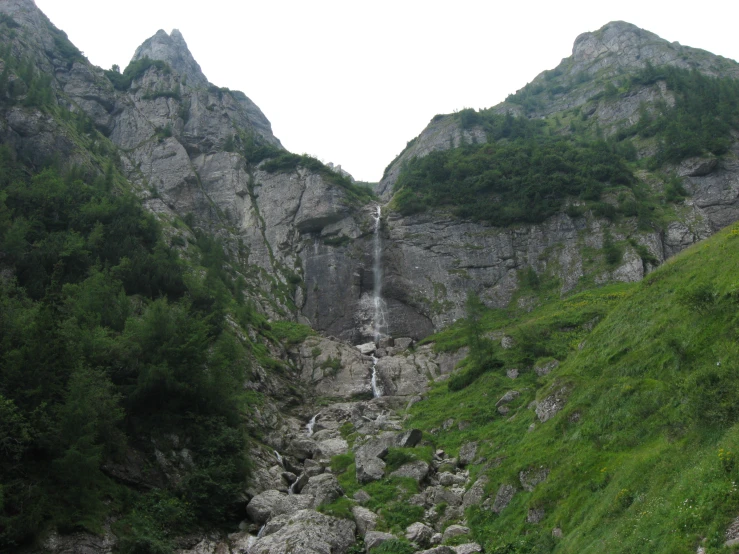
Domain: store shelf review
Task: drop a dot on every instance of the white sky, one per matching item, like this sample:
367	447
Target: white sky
350	81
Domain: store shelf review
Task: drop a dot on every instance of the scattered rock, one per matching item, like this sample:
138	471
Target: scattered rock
260	507
308	532
448	479
535	515
551	405
503	498
546	367
373	539
447	424
417	470
531	477
419	533
512	373
362	496
365	519
507	342
467	453
369	469
438	550
557	533
508	397
410	438
455	531
475	493
503	410
324	488
468	548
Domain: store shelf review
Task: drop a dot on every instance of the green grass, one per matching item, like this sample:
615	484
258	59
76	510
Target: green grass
641	458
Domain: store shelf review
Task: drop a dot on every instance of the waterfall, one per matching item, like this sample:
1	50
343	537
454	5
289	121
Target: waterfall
379	319
376	389
310	424
279	459
380	309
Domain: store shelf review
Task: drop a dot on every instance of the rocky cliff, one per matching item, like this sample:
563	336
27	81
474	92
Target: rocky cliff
204	158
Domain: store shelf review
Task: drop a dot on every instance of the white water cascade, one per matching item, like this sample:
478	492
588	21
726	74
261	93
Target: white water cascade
379	318
279	459
309	426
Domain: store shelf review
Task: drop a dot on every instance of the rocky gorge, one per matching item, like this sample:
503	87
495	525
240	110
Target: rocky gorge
335	459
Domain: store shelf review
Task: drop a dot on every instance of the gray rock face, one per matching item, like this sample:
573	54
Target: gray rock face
308	532
476	493
173	50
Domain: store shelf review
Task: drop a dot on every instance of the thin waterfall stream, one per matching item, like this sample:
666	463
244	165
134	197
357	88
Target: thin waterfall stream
379	319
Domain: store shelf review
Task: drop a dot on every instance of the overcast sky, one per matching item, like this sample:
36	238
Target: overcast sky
351	82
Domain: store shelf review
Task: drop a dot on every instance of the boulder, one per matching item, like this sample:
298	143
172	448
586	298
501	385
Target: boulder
365	519
410	438
324	488
367	348
467	453
419	533
551	405
545	368
475	493
417	470
535	515
455	531
373	539
259	509
503	497
450	479
303	448
308	532
369	469
468	548
531	477
508	397
438	550
292	503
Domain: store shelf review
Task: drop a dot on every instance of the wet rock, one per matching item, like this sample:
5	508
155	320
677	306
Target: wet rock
367	348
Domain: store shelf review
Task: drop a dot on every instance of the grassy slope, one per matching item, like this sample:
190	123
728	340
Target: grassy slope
641	457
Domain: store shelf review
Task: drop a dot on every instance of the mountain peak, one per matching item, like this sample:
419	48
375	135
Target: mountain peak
172	48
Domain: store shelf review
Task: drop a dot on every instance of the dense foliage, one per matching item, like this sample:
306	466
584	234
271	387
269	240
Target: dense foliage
134	70
518	180
106	341
700	122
